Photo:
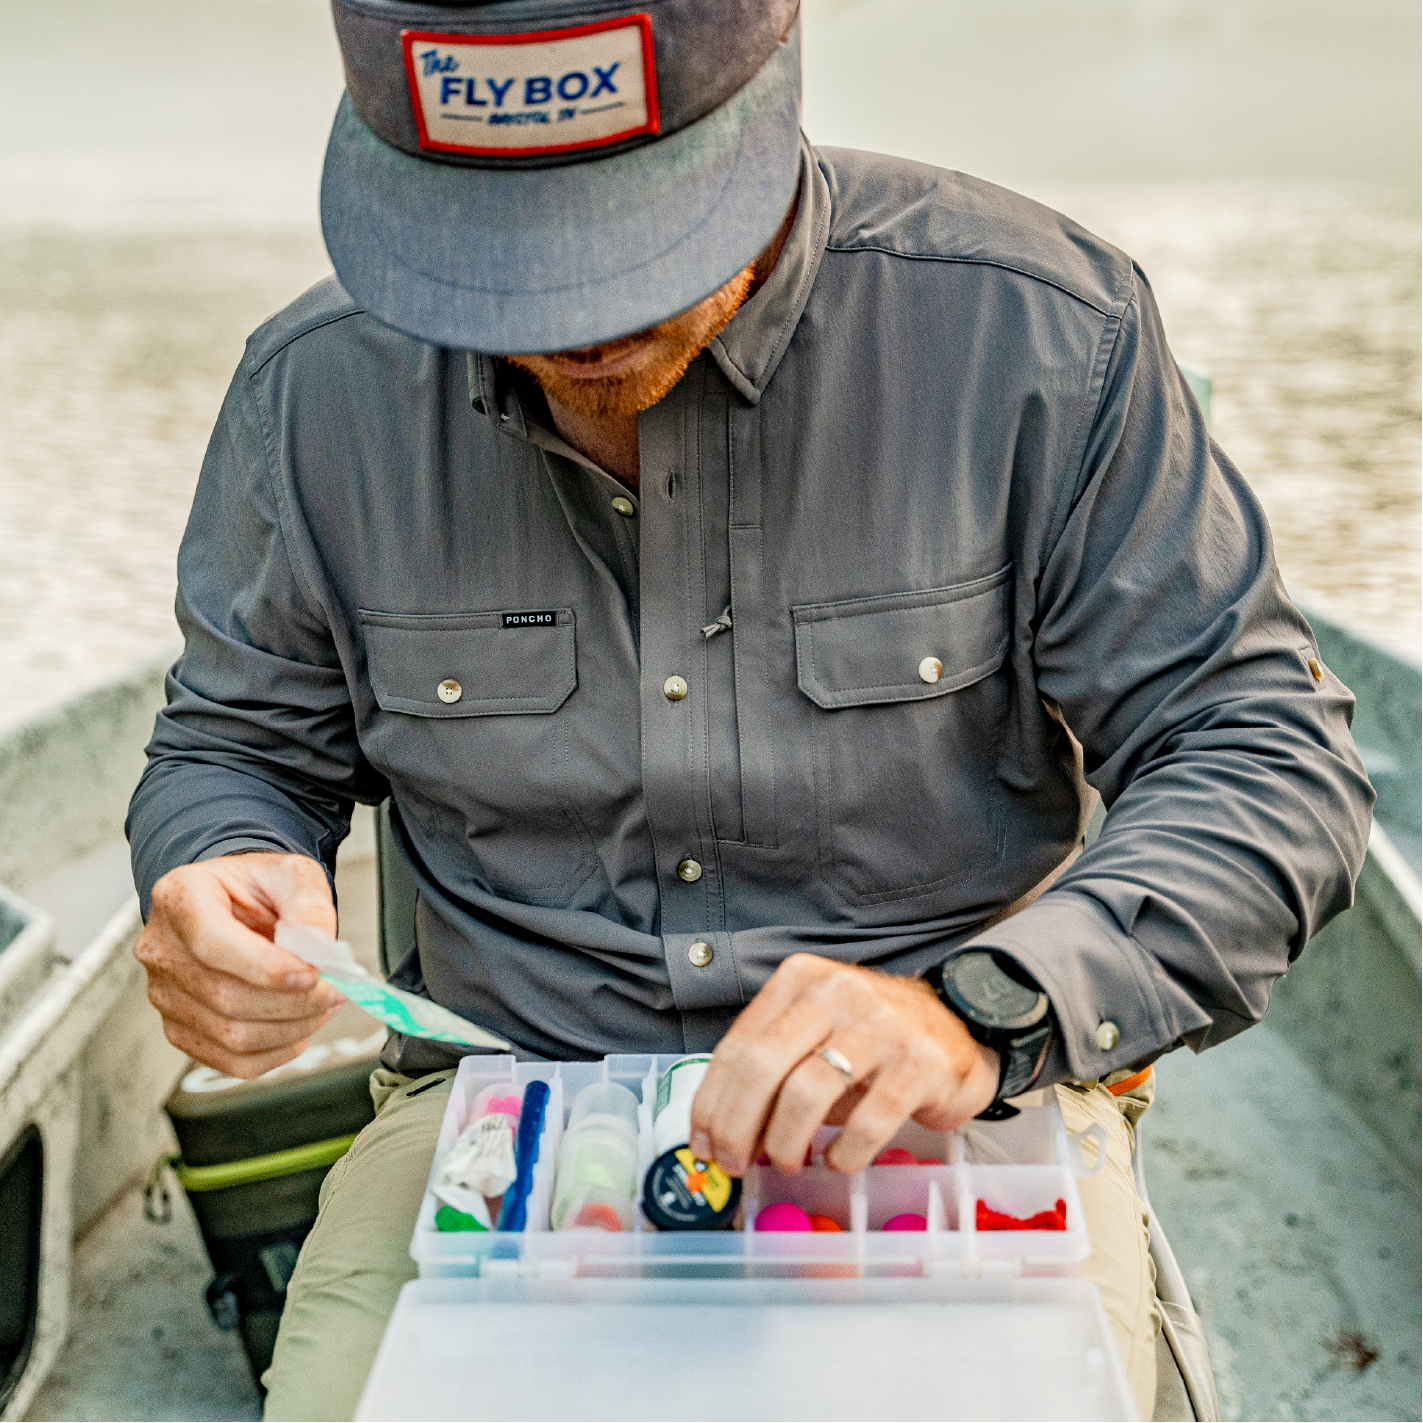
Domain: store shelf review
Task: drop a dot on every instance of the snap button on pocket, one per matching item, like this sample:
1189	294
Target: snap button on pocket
930	669
449	690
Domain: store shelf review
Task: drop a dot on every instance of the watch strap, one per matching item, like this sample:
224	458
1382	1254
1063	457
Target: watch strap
1023	1059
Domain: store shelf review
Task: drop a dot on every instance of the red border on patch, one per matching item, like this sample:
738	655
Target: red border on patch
409	38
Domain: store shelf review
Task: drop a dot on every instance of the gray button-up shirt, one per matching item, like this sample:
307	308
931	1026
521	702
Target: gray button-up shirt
947	433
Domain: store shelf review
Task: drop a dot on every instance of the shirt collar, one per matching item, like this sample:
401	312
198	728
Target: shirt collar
493	393
750	346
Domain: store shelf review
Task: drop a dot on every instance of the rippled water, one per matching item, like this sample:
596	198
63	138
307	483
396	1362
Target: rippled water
114	356
146	230
1302	300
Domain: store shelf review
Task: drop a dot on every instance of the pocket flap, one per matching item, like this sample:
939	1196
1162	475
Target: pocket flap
870	650
488	664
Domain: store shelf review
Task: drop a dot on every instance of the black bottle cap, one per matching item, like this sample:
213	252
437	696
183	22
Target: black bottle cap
684	1193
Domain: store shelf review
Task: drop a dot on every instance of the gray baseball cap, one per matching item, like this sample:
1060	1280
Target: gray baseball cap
539	175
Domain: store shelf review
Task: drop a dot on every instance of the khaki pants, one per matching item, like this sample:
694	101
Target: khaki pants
358	1253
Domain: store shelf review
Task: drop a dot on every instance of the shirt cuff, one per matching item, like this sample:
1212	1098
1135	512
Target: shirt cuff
248	844
1113	1003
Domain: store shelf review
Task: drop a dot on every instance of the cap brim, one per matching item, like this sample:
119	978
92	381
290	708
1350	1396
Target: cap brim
550	259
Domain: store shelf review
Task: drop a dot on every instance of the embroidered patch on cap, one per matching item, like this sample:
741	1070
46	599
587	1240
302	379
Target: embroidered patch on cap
553	91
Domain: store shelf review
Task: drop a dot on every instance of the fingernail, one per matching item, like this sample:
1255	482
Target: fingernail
701	1145
301	980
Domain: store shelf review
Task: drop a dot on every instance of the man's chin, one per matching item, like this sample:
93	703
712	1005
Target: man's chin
608	397
673	347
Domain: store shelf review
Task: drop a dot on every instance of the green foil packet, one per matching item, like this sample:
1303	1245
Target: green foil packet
404	1012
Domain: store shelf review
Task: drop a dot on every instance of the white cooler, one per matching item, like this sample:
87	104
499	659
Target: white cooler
950	1322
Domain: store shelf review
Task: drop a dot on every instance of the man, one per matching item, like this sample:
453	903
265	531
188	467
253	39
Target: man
737	650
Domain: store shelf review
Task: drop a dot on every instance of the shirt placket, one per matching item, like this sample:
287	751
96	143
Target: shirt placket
678	700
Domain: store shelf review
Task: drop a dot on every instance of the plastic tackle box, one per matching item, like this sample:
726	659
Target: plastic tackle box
739	1324
1020	1166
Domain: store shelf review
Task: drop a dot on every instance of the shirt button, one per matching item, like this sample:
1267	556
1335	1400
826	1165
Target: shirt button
624	507
674	689
1108	1035
449	690
1315	670
690	871
700	954
930	669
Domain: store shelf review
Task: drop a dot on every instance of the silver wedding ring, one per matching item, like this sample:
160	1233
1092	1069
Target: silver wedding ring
840	1063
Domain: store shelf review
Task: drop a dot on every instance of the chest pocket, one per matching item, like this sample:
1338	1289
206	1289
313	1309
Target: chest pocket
473	743
906	739
471	664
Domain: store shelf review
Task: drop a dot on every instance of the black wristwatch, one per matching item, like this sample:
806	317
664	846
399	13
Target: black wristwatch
1003	1006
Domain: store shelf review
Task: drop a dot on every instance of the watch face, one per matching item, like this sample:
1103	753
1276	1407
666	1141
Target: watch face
994	999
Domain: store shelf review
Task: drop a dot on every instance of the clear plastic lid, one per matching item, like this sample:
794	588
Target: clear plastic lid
609	1101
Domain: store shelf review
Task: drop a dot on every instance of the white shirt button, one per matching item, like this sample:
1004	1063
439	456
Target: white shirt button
700	954
1108	1035
449	691
674	689
930	669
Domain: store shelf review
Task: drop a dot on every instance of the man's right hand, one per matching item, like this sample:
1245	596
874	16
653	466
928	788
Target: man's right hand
228	995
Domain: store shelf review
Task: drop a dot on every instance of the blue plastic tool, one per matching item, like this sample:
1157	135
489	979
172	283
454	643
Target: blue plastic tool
515	1212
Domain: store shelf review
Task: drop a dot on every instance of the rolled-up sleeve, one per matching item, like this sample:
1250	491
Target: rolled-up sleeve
256	748
1238	809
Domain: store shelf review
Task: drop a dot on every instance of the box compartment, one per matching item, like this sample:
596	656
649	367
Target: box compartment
1020	1166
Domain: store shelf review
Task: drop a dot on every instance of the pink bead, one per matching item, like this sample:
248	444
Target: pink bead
896	1156
907	1221
783	1216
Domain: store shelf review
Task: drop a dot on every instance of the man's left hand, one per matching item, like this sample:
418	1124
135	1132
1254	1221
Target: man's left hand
768	1088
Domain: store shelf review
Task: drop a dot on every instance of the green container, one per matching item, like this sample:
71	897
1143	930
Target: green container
254	1155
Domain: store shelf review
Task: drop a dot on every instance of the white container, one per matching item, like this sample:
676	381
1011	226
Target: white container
672	1107
1020	1166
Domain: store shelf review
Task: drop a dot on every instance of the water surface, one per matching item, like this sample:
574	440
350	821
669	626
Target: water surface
150	224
